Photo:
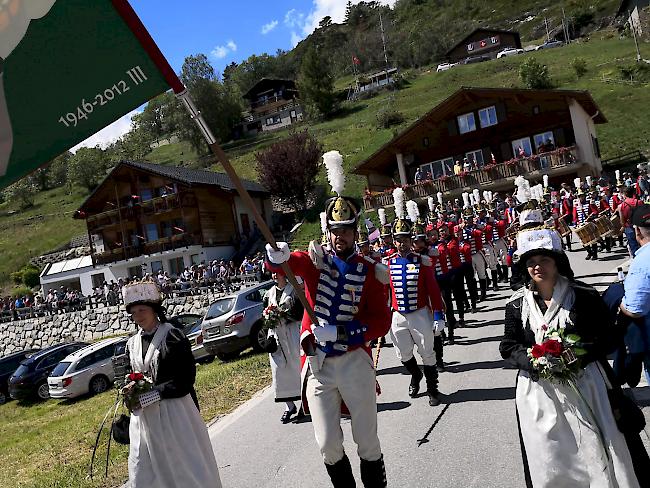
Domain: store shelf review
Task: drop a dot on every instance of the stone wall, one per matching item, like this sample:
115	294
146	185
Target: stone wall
85	325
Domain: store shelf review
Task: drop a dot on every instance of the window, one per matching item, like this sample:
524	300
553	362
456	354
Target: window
466	123
146	194
156	266
545	139
426	171
86	361
219	308
255	296
523	144
60	369
151	231
443	167
97	279
475	156
488	116
176	266
105	352
276	119
135	271
195	259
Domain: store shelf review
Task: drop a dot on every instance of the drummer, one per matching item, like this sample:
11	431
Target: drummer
603	210
613	201
583	212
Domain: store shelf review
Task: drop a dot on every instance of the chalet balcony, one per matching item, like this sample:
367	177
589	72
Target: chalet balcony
172	243
272	104
496	177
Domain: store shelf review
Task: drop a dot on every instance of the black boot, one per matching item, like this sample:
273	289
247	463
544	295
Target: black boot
438	348
341	473
483	285
495	286
504	271
431	374
416	375
594	252
373	473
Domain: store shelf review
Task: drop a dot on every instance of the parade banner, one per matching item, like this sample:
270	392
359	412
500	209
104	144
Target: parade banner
69	68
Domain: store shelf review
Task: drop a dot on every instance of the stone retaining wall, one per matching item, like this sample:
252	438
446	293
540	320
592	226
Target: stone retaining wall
86	325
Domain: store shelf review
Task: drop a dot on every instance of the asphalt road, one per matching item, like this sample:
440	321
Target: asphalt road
470	440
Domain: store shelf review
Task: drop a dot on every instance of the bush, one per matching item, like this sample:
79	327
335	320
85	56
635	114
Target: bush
635	72
387	117
534	74
20	291
579	65
17	277
31	277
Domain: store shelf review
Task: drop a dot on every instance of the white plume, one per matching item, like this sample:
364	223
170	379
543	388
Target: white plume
588	180
477	195
323	222
545	178
523	189
398	199
618	175
382	216
491	196
439	195
537	192
472	201
465	196
577	183
432	204
334	165
413	211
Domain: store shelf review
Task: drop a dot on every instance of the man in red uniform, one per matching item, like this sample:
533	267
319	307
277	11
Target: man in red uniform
470	238
348	295
418	310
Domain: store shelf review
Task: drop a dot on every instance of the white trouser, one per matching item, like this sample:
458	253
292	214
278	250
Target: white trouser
490	256
349	378
501	250
413	329
478	263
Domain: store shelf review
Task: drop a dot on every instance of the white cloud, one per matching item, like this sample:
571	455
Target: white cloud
221	52
295	39
266	28
334	8
293	19
109	134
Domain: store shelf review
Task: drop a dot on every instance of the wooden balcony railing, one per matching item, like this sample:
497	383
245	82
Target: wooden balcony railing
151	247
483	178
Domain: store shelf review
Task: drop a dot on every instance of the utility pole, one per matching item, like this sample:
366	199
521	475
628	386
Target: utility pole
565	25
636	41
548	36
383	40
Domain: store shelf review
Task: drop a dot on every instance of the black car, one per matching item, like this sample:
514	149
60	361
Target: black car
9	364
30	379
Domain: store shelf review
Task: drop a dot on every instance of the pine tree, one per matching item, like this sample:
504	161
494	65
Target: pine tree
316	84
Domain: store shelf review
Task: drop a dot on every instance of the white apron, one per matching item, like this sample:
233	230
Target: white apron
560	431
170	446
285	362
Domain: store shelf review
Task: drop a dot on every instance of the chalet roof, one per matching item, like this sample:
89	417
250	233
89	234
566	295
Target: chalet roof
627	6
267	82
183	175
489	31
459	98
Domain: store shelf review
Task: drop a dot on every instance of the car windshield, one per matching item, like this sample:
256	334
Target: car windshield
193	327
60	369
22	370
219	308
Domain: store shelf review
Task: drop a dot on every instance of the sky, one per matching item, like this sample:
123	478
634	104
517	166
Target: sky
225	31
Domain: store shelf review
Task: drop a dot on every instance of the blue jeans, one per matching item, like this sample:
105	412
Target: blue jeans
632	244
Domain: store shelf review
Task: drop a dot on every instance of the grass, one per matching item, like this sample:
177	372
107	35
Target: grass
49	444
355	134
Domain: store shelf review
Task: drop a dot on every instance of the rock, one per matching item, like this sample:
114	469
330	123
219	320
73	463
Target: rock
28	326
101	327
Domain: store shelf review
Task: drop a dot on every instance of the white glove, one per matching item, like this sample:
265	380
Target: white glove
324	333
281	255
438	327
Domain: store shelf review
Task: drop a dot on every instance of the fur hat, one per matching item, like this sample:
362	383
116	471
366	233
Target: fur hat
141	293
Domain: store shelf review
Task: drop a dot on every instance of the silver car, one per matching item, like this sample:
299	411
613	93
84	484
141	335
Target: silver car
234	323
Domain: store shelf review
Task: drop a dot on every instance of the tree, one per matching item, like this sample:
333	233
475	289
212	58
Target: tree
288	169
535	75
316	84
88	167
22	192
325	22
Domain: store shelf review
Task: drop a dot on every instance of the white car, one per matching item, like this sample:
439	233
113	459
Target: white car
509	51
88	370
444	67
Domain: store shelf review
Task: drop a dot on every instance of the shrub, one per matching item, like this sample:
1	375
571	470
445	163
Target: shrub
534	74
579	65
387	117
31	277
17	277
635	72
20	291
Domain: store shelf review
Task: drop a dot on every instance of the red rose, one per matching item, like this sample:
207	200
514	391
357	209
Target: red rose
136	376
537	352
554	348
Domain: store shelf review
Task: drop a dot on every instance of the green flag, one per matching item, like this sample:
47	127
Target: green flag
69	68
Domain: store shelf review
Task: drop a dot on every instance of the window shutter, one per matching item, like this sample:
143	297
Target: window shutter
560	140
506	151
501	112
487	156
453	129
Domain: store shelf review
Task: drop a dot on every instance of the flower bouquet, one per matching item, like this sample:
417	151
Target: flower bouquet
273	316
557	358
136	384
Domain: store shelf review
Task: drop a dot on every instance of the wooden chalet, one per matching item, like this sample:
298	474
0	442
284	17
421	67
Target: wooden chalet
273	104
483	42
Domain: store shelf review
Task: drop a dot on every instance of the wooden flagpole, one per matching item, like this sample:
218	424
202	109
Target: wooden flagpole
184	96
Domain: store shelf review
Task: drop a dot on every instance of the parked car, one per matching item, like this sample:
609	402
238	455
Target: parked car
194	334
234	323
476	59
30	379
88	370
183	320
549	45
9	364
509	51
444	67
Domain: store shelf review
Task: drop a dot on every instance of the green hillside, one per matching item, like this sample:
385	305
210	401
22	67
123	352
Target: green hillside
355	134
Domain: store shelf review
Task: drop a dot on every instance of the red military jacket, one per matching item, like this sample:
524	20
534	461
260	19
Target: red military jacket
440	258
425	294
453	251
501	226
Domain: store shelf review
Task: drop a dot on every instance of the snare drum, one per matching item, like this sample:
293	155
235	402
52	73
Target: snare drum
588	233
617	228
563	228
604	225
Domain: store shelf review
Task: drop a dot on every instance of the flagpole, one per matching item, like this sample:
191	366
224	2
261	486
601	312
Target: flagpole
214	146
